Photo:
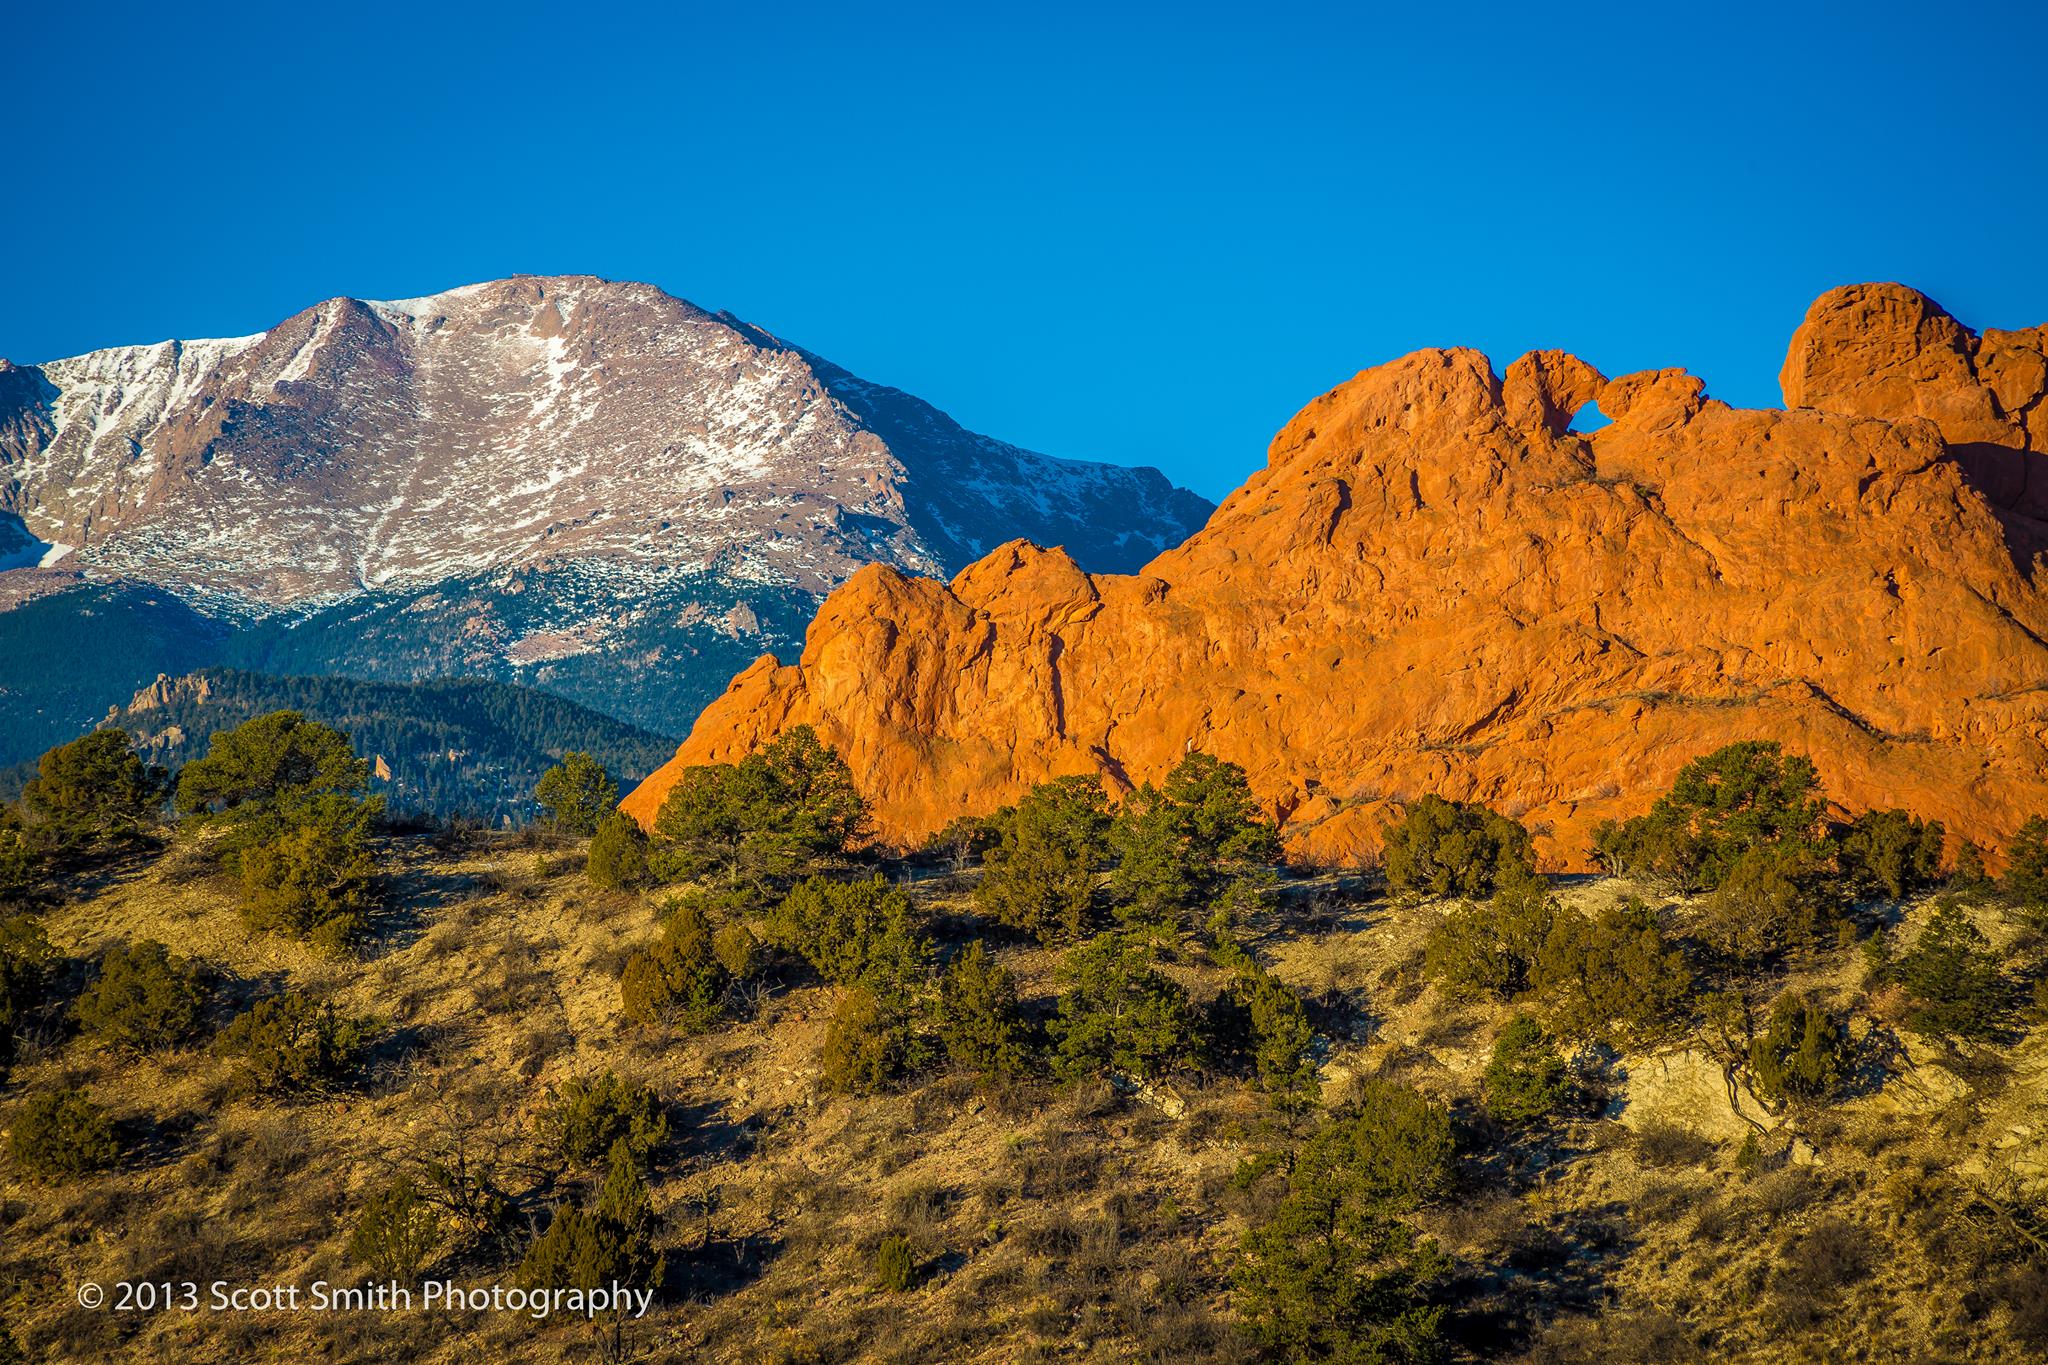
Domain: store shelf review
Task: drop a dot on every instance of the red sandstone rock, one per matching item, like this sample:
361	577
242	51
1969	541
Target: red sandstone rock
1434	586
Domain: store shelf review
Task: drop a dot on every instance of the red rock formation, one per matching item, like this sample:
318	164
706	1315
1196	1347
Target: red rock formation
1435	586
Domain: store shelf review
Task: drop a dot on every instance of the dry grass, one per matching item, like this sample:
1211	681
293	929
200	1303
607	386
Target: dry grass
1081	1224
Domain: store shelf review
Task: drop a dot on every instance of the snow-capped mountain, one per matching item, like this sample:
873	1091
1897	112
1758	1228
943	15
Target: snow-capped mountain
565	480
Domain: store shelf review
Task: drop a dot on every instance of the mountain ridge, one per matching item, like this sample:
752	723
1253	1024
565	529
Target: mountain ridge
1435	585
584	485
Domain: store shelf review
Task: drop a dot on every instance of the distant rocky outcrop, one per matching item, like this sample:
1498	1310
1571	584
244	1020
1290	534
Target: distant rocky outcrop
1435	585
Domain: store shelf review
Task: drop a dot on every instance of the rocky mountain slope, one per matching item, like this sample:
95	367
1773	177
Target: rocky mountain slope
583	484
1435	585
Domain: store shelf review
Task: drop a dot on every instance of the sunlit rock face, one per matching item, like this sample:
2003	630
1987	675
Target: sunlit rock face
1435	585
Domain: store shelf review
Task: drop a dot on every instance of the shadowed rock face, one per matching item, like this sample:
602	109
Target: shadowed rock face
1435	586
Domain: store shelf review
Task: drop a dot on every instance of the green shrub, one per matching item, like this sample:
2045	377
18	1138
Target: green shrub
738	951
1282	1042
617	859
91	792
312	877
1039	871
895	1265
1491	949
272	761
980	1021
1188	846
1526	1080
1722	805
1118	1014
577	792
766	817
1611	975
853	933
21	866
142	999
1451	848
397	1233
2025	883
1890	851
679	982
1773	900
61	1135
1336	1272
290	1043
870	1044
611	1242
590	1116
24	978
1800	1054
1956	983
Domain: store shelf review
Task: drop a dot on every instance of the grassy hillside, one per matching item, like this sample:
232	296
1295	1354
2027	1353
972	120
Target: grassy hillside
1082	1223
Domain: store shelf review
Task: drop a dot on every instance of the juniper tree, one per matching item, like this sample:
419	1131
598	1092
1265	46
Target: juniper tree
1957	985
398	1231
1118	1014
291	1043
980	1020
577	792
1525	1078
1452	848
610	1242
142	999
617	858
679	981
1800	1054
590	1116
2025	884
1740	798
89	793
763	819
871	1042
1890	851
1613	975
1039	872
25	956
268	763
61	1135
1198	845
1337	1272
858	932
1491	948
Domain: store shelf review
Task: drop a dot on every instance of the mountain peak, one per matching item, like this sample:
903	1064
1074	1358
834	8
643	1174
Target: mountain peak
556	470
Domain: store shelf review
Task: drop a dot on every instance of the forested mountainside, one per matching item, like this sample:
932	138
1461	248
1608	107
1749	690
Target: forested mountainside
452	747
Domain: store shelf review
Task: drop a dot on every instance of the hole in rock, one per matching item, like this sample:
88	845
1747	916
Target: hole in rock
1588	419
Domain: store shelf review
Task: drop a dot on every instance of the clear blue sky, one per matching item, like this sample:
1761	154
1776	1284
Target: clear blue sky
1148	235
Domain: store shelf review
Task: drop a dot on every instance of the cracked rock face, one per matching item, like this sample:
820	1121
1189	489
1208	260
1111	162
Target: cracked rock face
1435	586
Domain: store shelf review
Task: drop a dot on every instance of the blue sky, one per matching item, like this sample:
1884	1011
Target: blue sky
1145	235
